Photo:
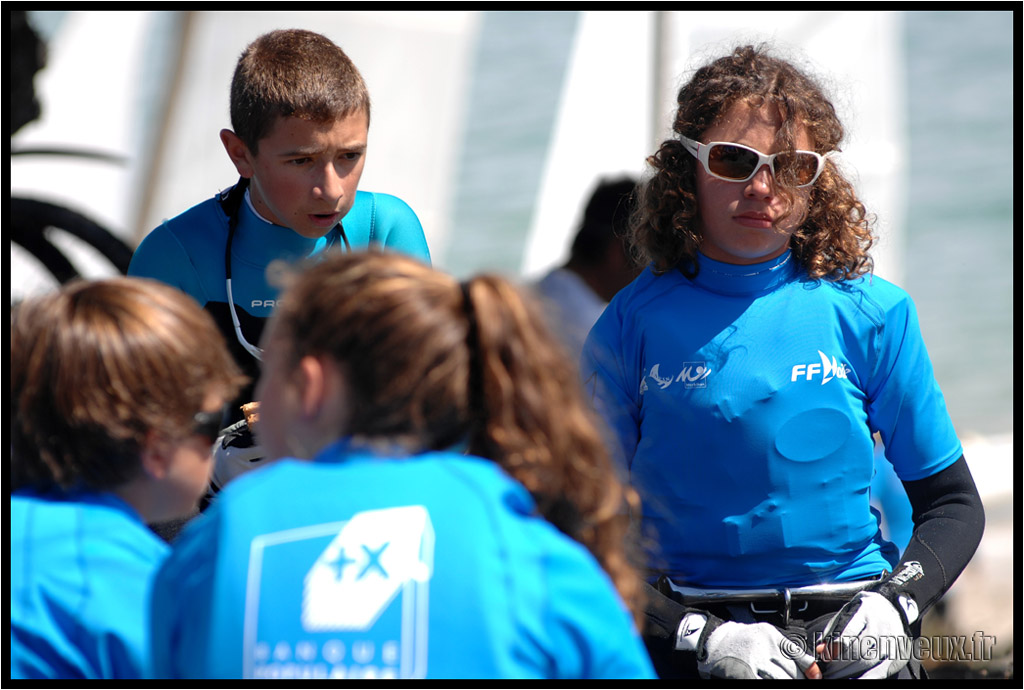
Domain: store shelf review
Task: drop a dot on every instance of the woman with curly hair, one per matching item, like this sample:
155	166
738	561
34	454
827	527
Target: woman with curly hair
460	516
745	373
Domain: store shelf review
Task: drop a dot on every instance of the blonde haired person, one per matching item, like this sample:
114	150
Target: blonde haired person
117	388
460	516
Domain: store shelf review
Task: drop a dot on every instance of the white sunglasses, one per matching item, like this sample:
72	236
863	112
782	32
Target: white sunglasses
738	163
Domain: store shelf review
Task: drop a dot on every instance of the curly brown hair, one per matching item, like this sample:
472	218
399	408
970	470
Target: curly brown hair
434	363
98	365
834	239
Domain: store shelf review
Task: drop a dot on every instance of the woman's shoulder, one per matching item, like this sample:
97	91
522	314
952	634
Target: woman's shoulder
100	519
871	295
94	541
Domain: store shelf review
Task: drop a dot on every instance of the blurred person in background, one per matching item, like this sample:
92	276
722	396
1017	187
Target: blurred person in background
599	265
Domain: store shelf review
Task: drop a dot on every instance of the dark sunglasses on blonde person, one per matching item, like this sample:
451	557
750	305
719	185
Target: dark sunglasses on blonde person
208	424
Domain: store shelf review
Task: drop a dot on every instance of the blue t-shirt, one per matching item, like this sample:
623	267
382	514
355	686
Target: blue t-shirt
364	566
80	570
744	403
187	252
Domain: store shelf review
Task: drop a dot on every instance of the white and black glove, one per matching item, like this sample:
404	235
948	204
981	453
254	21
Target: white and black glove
235	452
742	650
870	636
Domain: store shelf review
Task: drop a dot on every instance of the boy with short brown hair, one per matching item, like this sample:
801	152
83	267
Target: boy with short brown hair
300	115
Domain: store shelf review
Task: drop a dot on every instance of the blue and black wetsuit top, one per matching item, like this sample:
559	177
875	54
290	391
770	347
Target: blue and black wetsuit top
188	252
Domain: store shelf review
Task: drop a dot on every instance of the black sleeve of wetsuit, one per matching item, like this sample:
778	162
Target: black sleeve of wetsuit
948	523
661	618
662	615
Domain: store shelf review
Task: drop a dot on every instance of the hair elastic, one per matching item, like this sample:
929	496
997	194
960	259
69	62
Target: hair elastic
467	307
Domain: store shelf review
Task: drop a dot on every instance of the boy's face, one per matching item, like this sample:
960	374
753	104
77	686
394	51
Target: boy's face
752	221
186	467
306	173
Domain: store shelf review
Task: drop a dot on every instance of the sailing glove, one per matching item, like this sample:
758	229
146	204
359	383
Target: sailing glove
742	650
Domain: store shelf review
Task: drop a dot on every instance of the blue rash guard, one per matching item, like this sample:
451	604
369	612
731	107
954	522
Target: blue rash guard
187	252
382	566
81	565
744	403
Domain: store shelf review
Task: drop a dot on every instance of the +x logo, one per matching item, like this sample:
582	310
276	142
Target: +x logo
371	561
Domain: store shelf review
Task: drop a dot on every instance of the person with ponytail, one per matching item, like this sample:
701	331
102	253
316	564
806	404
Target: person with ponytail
442	505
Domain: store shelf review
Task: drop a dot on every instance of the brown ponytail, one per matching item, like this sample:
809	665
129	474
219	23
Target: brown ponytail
433	362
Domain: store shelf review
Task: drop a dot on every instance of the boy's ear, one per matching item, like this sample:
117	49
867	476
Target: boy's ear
312	386
155	456
323	390
238	152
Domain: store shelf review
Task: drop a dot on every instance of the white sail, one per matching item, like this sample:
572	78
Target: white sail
602	127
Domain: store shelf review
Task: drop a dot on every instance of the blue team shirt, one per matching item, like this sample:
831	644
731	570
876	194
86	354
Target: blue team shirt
80	569
364	566
744	402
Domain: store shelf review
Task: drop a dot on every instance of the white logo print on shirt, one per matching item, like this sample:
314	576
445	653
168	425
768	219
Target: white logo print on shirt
692	375
829	369
365	598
